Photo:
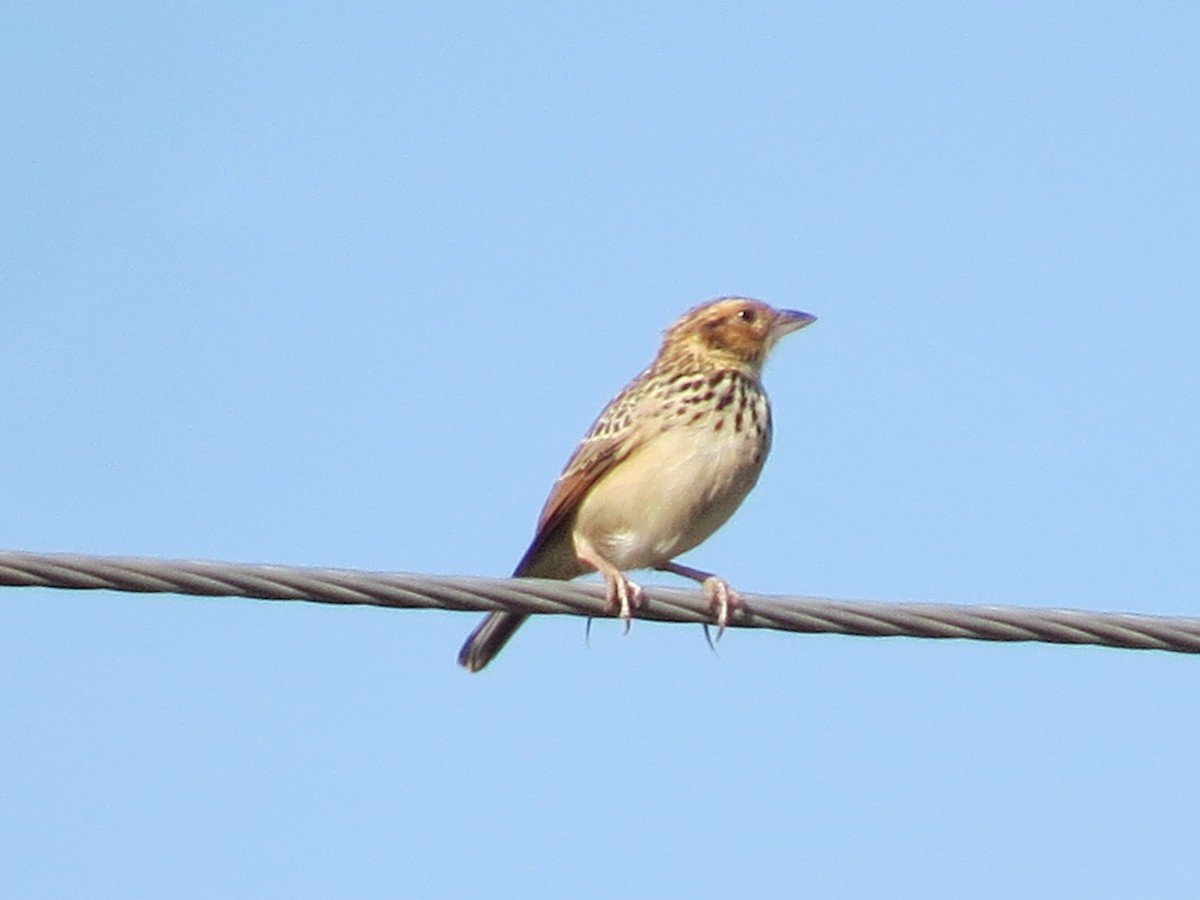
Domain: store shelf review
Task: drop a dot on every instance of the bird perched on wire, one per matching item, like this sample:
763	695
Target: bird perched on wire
664	465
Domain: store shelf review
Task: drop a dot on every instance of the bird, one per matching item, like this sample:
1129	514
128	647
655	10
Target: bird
663	466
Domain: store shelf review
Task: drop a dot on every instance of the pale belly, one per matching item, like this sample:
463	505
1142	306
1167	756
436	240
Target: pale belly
670	495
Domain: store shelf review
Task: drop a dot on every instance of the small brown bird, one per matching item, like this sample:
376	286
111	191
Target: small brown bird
665	464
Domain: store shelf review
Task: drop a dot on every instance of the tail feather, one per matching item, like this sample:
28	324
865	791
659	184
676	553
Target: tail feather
488	639
551	555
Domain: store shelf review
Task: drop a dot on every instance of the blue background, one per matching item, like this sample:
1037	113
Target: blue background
344	285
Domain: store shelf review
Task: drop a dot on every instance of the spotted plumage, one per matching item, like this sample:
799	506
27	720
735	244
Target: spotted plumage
664	465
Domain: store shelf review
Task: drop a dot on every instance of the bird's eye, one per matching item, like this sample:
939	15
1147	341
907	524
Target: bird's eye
746	315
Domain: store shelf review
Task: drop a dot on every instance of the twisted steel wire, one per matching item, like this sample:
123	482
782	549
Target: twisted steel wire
534	595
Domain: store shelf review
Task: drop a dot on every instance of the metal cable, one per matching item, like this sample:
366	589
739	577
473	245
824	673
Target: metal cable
534	595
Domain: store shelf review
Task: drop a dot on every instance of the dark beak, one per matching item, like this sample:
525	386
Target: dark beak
789	320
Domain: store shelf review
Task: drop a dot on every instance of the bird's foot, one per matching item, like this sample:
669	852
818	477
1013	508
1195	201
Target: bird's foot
722	600
624	595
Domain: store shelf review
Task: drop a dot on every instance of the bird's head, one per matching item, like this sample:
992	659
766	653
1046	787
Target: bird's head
731	331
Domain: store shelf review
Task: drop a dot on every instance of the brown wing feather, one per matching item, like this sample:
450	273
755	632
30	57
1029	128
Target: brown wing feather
550	553
616	433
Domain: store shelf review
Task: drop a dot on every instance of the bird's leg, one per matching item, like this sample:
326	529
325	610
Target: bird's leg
623	594
722	599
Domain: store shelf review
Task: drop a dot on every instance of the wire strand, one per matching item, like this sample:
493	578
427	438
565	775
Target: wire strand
539	596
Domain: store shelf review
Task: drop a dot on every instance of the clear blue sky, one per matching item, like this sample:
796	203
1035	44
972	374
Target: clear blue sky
344	285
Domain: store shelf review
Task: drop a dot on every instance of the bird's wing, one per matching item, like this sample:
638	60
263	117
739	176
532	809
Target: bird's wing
618	431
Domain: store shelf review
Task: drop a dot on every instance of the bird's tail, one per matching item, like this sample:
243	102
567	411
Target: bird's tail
488	639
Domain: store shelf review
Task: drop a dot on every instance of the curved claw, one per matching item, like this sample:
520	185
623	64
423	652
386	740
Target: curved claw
625	595
722	600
